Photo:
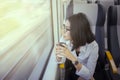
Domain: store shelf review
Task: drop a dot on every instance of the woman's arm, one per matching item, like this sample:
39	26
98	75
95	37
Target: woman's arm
67	53
82	70
87	70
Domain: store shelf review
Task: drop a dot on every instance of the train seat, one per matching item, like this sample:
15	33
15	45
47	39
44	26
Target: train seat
113	33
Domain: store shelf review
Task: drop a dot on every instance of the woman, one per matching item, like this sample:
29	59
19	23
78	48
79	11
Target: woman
81	50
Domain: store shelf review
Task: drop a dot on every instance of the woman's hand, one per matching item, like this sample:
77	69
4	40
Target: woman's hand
64	51
59	57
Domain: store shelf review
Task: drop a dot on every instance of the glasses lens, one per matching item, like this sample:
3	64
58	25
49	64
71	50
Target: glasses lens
65	28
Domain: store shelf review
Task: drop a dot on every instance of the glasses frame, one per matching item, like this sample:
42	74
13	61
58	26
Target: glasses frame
66	29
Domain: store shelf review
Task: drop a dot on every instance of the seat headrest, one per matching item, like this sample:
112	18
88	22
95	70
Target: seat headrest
94	12
112	15
106	3
90	10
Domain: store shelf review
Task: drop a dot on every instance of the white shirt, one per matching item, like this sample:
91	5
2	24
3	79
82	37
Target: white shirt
88	58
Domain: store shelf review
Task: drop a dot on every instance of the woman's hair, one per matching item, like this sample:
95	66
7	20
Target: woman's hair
80	30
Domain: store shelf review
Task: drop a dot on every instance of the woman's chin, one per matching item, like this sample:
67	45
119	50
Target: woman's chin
66	39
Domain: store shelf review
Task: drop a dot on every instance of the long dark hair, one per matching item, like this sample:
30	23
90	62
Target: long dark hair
80	30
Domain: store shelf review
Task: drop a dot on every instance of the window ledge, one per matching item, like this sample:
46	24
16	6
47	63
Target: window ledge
51	68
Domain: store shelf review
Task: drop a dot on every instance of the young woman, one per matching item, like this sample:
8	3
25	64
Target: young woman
81	50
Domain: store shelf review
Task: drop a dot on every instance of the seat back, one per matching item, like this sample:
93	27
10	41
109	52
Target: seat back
113	32
96	16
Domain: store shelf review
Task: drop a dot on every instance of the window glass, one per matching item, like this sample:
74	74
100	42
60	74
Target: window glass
25	37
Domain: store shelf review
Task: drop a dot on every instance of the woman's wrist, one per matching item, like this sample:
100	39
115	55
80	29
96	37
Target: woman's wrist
77	64
75	61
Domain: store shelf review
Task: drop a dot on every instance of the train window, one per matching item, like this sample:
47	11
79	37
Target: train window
58	16
26	38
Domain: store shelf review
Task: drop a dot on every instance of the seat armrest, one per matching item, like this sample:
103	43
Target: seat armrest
112	63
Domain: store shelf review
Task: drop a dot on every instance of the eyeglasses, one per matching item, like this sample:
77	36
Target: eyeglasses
65	28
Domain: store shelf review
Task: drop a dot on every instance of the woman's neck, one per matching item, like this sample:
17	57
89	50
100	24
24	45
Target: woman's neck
78	49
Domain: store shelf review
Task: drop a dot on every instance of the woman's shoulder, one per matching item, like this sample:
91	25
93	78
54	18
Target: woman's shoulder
93	44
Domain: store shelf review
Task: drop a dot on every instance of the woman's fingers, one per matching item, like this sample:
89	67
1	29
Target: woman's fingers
60	48
63	54
60	51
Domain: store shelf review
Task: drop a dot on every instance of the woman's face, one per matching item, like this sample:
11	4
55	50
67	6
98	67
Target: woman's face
67	31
